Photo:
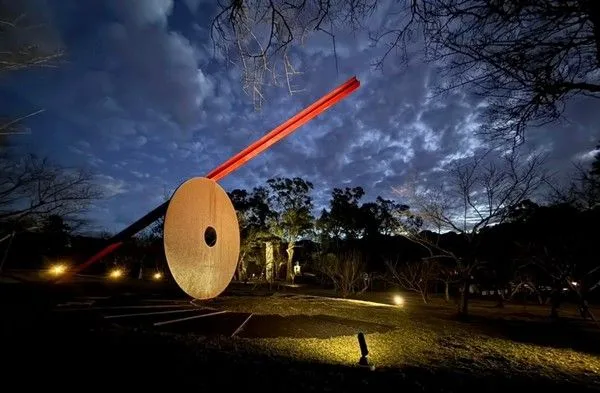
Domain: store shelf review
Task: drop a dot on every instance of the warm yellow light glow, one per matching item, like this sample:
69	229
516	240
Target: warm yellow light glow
157	276
58	269
398	300
116	273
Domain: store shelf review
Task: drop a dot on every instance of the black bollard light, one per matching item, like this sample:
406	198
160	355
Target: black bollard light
364	351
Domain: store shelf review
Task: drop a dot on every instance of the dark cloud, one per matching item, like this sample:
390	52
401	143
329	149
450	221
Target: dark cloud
143	102
142	13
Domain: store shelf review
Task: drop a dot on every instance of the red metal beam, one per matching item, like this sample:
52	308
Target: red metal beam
285	129
235	162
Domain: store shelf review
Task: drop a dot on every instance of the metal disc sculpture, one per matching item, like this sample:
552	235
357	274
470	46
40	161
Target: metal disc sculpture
202	238
201	232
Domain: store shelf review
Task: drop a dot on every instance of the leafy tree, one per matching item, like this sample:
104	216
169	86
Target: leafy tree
343	220
291	203
346	219
384	215
253	213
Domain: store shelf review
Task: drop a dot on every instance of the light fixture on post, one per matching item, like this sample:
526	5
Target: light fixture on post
364	352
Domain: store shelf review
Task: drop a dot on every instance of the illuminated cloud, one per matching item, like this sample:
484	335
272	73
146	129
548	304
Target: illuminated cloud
143	102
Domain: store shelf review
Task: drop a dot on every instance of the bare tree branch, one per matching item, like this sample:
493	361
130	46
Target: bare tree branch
478	193
414	276
525	58
33	187
16	55
259	35
344	270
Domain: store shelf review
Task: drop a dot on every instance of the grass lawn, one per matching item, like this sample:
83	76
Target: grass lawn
516	340
422	348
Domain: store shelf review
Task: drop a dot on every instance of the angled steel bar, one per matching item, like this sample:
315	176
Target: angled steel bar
234	163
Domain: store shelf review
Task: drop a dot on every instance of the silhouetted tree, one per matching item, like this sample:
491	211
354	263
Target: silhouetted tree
344	269
257	35
416	276
560	240
583	191
34	188
19	51
343	220
56	235
254	215
385	214
479	193
526	58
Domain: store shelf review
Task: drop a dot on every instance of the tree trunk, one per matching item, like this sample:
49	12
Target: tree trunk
290	268
12	236
447	291
269	262
584	309
463	304
424	296
500	303
593	10
555	303
241	273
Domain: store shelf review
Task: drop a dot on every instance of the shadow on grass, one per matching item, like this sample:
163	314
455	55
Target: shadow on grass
43	349
576	334
118	359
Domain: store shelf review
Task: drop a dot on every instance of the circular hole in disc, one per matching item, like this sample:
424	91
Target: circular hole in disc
210	236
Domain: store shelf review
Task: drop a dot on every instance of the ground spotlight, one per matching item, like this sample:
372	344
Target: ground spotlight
157	276
116	273
398	300
58	269
364	352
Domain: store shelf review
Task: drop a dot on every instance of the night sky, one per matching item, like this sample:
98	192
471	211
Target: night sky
142	101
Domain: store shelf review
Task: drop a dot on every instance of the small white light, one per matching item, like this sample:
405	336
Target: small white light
398	300
574	283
